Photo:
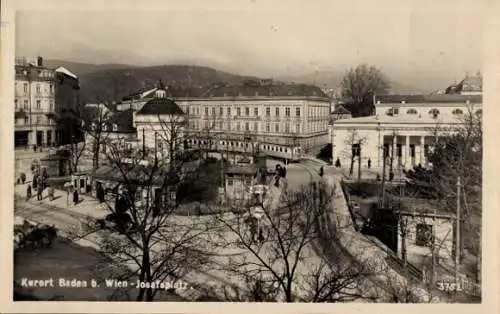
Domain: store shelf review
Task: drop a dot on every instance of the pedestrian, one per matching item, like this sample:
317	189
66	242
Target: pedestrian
337	163
35	182
391	176
39	192
75	197
321	171
23	177
51	193
261	236
369	163
28	192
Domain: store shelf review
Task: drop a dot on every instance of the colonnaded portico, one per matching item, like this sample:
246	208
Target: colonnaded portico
404	139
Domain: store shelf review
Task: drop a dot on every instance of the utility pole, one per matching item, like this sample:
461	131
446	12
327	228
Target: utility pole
383	177
457	233
156	147
143	144
359	160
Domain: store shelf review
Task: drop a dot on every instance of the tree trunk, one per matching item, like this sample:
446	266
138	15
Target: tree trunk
359	165
97	148
288	292
351	169
140	296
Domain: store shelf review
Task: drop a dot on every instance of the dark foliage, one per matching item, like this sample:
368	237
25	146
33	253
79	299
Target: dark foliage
203	185
360	85
325	153
114	84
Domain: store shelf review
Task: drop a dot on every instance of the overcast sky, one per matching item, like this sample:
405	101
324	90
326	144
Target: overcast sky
268	37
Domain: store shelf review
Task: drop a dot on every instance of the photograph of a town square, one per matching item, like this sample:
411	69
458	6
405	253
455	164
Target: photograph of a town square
326	154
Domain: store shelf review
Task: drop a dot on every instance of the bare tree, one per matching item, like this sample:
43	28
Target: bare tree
360	85
76	151
157	245
282	250
97	126
354	142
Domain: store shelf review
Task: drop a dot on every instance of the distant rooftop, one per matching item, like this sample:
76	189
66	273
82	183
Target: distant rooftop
339	109
250	88
160	105
67	72
423	118
434	98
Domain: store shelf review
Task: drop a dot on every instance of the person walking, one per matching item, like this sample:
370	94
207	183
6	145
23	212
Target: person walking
39	192
51	193
369	163
28	192
75	197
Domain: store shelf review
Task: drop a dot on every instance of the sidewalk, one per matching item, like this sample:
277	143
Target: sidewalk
87	206
363	250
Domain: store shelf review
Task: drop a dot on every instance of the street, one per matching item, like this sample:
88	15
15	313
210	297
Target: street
68	219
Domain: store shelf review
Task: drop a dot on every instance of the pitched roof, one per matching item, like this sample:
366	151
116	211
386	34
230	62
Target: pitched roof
439	98
124	120
250	169
403	119
160	106
247	89
66	72
339	109
252	89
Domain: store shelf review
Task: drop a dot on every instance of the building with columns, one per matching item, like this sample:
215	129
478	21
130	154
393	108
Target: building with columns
404	127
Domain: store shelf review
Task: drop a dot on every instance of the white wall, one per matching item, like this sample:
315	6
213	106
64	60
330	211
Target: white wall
423	109
342	139
443	232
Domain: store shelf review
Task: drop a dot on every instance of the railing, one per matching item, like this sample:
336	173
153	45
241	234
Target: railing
407	268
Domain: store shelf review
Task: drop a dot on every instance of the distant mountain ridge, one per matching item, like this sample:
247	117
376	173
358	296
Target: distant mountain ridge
333	80
80	68
112	82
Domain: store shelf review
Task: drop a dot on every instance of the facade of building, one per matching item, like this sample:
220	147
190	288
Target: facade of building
421	231
44	99
403	128
160	125
67	107
35	107
281	120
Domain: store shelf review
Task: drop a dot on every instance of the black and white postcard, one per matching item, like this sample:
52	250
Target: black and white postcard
199	156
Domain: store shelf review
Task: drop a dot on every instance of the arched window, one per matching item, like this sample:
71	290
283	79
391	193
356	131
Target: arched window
434	112
411	111
458	112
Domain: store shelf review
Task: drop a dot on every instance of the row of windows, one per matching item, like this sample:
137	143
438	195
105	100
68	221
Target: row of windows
38	105
273	148
38	120
246	111
37	88
434	112
245	127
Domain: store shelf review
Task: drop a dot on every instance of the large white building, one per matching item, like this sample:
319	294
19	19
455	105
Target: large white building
282	120
408	123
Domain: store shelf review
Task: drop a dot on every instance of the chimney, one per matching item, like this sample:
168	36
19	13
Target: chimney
39	61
